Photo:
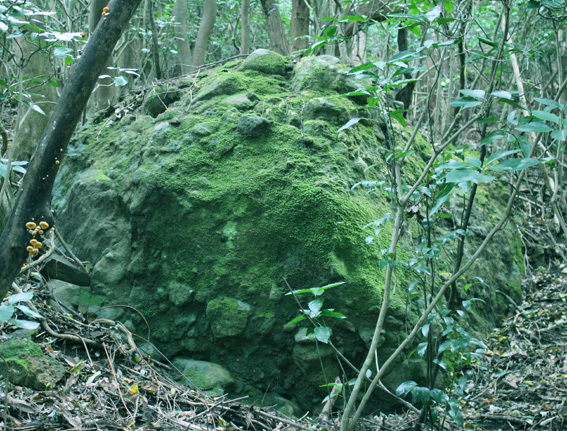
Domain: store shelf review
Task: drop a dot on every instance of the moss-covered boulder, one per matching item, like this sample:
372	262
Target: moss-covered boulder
201	217
23	363
205	376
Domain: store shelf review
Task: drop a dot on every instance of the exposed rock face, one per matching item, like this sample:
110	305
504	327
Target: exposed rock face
195	216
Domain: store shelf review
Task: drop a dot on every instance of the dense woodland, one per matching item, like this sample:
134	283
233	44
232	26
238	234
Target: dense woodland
479	87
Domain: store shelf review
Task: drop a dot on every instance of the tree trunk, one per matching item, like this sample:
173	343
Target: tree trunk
155	43
325	9
245	29
34	201
299	25
274	24
207	22
359	48
105	94
405	95
181	37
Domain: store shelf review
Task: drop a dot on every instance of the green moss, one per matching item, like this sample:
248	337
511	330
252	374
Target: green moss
228	316
213	219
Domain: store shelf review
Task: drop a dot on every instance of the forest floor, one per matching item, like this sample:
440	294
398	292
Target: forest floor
520	383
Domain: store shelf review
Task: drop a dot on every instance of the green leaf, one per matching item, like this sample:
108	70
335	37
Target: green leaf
24	324
422	348
515	164
354	18
491	137
500	155
323	333
433	14
6	312
365	66
297	319
20	297
442	197
421	394
61	51
546	116
547	102
315	308
28	312
331	31
316	290
479	94
466	102
464	175
560	135
502	94
37	109
474	161
331	313
402	55
454	164
488	42
534	127
405	388
66	36
398	116
120	81
445	345
350	123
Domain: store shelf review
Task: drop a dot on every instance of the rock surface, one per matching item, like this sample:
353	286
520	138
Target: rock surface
23	363
199	220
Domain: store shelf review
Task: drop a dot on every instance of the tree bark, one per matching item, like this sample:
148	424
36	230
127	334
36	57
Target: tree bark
299	25
181	37
274	24
155	42
245	29
105	94
33	203
405	95
205	28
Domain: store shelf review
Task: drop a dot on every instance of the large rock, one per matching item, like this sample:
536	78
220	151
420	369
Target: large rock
23	363
200	219
202	375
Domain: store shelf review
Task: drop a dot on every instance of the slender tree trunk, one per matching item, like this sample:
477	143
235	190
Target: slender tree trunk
245	29
405	95
181	30
207	23
105	94
33	204
299	25
359	48
325	9
155	44
274	24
